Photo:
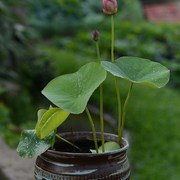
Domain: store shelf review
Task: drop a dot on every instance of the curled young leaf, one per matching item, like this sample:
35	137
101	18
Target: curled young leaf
49	121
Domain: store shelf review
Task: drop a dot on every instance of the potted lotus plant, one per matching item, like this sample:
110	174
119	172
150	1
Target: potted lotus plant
87	155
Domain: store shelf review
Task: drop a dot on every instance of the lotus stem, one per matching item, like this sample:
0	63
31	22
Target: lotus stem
68	142
116	84
101	117
119	111
54	138
98	52
112	38
125	106
93	129
101	101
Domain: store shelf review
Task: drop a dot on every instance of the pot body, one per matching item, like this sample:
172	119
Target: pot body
57	165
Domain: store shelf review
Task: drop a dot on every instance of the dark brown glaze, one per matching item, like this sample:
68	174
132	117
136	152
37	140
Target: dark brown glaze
56	165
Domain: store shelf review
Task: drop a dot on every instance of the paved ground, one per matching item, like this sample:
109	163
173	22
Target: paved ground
14	167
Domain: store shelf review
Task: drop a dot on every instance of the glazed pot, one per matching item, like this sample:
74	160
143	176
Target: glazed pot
61	165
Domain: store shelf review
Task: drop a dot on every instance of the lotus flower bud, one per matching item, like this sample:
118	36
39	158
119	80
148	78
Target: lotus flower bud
95	35
109	7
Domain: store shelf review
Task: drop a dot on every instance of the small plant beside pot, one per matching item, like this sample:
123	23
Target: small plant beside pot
87	155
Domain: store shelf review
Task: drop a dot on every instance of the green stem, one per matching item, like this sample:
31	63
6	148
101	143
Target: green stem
112	38
93	129
119	111
101	117
125	107
101	102
68	142
54	138
116	83
98	52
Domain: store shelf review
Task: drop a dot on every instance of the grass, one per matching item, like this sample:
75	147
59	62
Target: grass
153	122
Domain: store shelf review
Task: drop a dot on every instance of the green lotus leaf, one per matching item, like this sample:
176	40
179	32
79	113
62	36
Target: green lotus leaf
108	146
138	70
30	145
40	114
71	92
53	122
50	120
45	116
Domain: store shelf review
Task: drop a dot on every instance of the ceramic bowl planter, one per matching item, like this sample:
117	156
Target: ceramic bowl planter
68	165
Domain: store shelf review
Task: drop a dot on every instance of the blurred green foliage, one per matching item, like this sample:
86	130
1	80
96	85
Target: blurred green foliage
153	120
55	17
60	17
158	42
40	39
20	78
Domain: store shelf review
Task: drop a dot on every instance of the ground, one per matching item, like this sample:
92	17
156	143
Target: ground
14	167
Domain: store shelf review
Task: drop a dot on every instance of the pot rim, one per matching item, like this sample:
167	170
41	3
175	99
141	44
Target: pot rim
86	134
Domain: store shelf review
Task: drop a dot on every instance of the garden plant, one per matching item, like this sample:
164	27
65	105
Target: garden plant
70	93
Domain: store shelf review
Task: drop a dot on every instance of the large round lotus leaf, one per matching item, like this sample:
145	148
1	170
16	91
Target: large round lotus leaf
71	92
138	70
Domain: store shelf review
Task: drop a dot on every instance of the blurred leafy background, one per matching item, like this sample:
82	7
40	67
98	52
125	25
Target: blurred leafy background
41	39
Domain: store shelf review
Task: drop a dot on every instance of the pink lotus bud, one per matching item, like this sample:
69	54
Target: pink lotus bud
109	7
95	35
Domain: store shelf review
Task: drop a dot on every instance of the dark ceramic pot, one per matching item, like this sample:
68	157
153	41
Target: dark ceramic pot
61	165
